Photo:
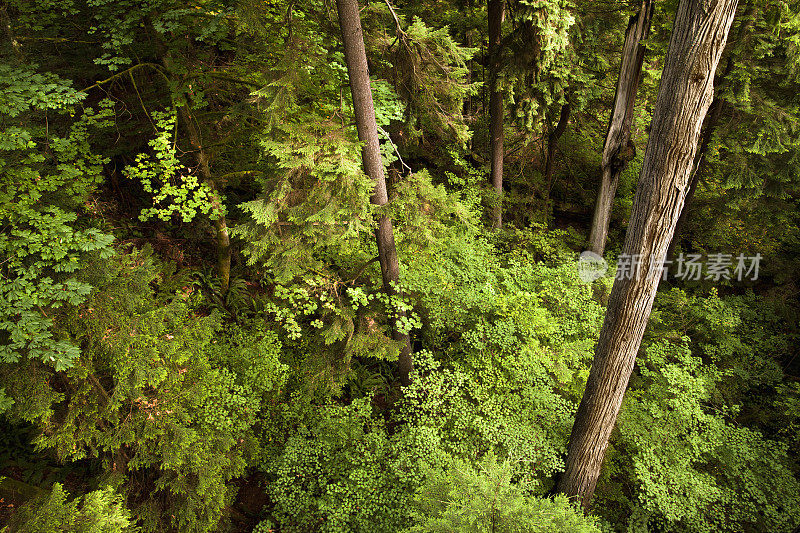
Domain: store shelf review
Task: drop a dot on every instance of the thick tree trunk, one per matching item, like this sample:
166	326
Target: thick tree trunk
220	223
358	71
552	143
714	113
687	89
618	149
496	133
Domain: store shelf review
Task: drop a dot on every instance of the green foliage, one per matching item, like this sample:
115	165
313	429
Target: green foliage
539	44
518	309
428	69
510	351
120	370
463	498
264	526
149	396
25	89
44	180
316	196
175	189
702	452
462	416
334	314
745	336
425	213
116	26
340	472
101	511
751	175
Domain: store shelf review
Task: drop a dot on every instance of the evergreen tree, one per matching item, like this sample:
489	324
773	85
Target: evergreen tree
686	91
358	71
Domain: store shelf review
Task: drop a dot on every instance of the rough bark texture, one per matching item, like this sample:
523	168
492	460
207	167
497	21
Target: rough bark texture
618	149
496	134
714	113
358	71
700	31
737	46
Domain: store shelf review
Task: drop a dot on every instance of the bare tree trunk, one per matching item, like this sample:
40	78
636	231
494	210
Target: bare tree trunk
552	143
687	89
496	133
714	113
358	72
618	149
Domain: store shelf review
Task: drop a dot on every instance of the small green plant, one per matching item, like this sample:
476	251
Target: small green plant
175	189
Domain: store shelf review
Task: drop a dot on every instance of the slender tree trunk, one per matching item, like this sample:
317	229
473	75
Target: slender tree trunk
358	72
220	223
5	20
687	89
618	149
223	240
496	133
552	143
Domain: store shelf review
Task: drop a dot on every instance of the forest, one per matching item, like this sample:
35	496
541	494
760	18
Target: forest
514	266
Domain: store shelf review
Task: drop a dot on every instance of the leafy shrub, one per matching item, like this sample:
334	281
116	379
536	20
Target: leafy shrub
101	511
165	402
693	466
464	499
45	177
511	344
339	472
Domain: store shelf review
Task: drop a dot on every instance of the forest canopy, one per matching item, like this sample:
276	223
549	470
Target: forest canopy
399	266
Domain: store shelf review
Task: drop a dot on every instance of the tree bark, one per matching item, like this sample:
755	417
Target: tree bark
223	240
687	89
220	223
5	20
552	143
496	112
358	72
714	113
618	149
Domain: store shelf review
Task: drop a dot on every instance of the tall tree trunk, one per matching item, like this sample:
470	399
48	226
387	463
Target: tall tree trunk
220	222
496	133
356	58
552	143
714	113
223	240
618	149
687	89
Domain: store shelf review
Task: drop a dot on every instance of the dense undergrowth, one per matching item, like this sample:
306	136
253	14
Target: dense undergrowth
139	394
